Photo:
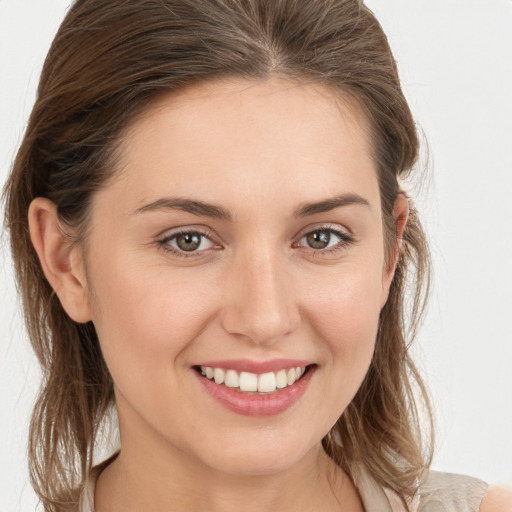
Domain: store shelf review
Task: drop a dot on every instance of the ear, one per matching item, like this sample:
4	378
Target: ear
400	216
61	261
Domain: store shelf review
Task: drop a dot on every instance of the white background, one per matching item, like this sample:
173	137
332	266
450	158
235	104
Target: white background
455	59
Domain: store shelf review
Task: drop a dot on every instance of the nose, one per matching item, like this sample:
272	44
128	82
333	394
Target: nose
260	301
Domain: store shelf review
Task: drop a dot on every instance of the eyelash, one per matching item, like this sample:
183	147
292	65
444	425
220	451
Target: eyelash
345	241
164	242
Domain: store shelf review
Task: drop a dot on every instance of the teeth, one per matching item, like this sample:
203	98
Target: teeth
267	383
232	380
281	381
219	375
252	382
248	381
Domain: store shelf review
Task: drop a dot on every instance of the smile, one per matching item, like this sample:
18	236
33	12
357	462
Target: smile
267	390
249	382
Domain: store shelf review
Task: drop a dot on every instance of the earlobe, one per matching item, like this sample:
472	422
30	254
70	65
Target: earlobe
60	260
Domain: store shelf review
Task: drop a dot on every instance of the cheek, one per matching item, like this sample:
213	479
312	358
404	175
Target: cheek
345	315
143	319
347	305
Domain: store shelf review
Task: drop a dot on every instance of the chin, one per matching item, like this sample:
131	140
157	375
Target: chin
258	458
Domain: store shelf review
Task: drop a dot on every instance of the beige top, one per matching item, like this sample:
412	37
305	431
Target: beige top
440	492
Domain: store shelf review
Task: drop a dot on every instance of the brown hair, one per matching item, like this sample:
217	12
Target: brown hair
108	61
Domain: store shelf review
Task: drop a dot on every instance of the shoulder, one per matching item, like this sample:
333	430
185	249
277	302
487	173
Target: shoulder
497	499
449	492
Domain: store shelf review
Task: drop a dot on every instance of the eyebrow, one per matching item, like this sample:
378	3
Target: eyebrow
307	209
203	209
192	206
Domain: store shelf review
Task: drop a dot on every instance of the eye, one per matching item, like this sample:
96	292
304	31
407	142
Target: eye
325	239
187	243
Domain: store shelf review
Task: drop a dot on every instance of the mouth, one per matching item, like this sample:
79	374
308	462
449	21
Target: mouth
249	383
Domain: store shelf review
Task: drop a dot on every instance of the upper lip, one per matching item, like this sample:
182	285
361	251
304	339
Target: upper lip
248	365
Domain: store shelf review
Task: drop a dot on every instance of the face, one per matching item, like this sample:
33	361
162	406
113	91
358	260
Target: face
243	233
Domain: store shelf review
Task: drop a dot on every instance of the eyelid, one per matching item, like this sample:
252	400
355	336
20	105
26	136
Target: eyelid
346	238
345	235
329	226
166	236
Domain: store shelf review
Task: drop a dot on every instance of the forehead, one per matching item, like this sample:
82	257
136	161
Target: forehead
248	138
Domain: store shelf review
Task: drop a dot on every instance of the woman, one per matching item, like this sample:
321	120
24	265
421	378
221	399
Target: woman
209	233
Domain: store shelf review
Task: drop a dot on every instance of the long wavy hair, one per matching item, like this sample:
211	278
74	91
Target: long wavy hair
108	62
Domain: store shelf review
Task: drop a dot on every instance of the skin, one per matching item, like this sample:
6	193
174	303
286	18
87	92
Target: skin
498	499
255	290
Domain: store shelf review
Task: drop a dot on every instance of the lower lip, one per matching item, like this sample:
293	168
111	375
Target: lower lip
257	405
